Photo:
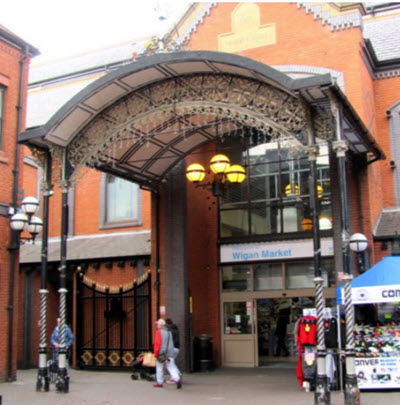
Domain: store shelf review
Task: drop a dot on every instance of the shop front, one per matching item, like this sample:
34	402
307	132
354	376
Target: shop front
262	299
376	296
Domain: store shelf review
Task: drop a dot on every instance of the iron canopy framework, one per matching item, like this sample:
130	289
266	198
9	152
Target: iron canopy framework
138	122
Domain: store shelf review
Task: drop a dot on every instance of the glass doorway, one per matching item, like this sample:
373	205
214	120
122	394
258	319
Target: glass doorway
276	328
239	334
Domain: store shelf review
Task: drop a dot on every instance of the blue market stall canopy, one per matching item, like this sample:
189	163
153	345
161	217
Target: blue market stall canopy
381	283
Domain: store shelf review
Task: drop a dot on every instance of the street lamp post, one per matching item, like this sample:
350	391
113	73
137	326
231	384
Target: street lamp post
62	380
22	219
43	380
322	394
351	392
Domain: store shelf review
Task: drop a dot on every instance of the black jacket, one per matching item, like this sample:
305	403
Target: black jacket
175	334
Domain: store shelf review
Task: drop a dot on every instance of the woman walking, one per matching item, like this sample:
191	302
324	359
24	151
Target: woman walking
164	354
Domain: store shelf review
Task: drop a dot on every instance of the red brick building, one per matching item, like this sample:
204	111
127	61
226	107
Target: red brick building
15	55
258	82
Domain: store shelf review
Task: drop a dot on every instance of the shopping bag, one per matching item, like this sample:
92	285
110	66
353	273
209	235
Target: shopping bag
149	360
162	357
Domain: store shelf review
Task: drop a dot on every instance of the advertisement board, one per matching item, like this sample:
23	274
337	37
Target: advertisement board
378	372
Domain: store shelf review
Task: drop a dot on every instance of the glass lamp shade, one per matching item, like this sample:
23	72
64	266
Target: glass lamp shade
19	221
35	225
235	174
195	172
306	224
219	164
358	242
29	205
325	222
320	191
292	190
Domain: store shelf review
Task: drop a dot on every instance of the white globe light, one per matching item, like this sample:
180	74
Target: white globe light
325	223
18	221
30	205
358	242
35	225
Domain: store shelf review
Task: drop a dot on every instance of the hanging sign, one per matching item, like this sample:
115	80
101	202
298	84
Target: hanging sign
375	294
265	251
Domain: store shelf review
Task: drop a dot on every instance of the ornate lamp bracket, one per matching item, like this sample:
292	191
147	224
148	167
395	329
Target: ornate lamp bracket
312	151
340	147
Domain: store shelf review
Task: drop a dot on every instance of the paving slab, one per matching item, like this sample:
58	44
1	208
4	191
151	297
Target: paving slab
274	386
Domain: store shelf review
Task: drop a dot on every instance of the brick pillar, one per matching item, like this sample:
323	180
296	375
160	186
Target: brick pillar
176	274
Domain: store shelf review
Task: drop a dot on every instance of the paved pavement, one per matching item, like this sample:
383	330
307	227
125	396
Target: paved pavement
274	386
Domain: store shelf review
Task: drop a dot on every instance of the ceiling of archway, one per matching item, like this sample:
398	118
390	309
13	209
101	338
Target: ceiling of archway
149	131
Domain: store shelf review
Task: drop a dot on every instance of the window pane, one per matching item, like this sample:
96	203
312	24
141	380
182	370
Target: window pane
121	199
236	278
234	222
328	272
301	274
237	317
264	219
267	277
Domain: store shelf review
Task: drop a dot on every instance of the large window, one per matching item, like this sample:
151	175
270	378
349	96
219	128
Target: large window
275	276
2	96
275	197
121	203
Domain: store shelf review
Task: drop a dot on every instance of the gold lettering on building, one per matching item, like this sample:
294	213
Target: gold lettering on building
247	33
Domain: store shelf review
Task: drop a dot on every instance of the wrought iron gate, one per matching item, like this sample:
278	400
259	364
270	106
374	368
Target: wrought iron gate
113	325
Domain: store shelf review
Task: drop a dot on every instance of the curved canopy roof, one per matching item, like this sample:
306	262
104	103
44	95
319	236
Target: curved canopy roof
380	283
98	107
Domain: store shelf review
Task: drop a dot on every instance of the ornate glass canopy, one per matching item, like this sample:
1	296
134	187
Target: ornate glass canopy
139	121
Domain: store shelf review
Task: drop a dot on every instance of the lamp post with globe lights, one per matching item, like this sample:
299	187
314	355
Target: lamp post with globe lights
25	220
21	219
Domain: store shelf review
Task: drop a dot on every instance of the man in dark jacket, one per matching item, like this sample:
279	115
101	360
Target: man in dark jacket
175	335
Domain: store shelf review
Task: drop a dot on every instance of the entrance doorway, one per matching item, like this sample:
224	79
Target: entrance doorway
262	331
276	328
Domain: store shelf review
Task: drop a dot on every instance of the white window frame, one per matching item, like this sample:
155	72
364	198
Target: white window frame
104	222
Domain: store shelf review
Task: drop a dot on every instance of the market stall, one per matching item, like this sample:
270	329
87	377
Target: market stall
376	294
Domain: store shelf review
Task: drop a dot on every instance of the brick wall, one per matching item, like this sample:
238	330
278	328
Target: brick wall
9	77
203	268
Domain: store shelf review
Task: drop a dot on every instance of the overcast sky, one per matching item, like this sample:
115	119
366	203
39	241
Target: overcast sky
60	28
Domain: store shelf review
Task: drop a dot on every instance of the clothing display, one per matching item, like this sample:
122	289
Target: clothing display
307	331
377	356
380	340
331	333
306	340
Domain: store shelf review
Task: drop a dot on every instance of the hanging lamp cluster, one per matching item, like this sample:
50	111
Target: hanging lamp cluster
25	220
222	172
